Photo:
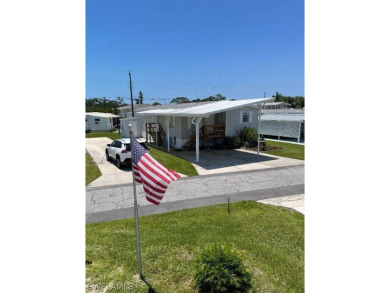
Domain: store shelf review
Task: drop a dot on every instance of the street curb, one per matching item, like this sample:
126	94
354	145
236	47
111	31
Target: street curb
150	209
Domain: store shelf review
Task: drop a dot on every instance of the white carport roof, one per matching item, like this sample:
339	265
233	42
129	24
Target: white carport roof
104	115
283	117
206	109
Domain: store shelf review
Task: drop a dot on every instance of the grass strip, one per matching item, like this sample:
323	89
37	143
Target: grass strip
269	238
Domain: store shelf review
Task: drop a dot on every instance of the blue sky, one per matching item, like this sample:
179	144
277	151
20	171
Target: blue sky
195	49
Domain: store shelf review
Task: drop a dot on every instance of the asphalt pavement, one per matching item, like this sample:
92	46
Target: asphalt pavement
116	202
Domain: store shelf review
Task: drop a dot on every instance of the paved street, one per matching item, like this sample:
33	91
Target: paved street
116	202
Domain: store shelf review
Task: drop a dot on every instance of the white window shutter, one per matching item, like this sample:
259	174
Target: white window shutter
250	116
241	116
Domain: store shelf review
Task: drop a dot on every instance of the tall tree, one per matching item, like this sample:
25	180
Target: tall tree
180	100
140	98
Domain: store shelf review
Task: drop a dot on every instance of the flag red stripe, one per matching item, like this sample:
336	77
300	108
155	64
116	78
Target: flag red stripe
174	173
137	175
152	193
152	179
152	173
160	167
152	201
154	188
152	168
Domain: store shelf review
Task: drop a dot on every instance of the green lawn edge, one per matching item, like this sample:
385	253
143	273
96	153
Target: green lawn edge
269	238
294	151
92	171
112	135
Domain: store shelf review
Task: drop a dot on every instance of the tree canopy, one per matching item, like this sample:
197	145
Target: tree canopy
181	100
104	105
297	102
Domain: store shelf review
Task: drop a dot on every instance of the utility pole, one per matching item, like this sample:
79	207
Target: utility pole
131	95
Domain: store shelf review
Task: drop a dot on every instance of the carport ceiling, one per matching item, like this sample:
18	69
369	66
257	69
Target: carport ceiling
206	109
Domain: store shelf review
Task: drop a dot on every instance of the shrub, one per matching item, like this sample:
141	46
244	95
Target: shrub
232	142
220	269
249	134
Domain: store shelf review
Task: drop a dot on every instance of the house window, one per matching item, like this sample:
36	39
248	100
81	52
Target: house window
97	120
245	117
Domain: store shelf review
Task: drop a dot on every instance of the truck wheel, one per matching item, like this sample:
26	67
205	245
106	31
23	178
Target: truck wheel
107	156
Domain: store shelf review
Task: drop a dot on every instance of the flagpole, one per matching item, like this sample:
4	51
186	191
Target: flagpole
136	217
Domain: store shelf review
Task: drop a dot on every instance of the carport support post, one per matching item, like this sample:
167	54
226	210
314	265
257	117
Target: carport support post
156	132
196	121
258	129
136	217
167	126
299	132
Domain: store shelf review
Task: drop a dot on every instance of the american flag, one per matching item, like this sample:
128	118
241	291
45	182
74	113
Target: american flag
151	174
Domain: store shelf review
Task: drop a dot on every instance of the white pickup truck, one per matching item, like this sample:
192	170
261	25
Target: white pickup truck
120	151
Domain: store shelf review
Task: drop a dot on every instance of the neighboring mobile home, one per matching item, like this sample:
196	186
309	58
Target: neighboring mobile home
95	121
126	111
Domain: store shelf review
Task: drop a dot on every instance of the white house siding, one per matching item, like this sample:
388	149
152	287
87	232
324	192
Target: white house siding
233	120
173	132
137	126
103	125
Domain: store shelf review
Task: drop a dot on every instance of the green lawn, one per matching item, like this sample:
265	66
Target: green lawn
113	135
92	171
271	240
290	150
173	162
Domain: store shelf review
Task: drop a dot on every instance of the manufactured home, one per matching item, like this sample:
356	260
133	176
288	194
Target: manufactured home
96	121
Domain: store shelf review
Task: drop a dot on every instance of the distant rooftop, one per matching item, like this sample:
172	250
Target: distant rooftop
137	106
276	104
299	117
105	115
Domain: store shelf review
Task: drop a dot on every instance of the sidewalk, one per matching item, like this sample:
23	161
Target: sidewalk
295	202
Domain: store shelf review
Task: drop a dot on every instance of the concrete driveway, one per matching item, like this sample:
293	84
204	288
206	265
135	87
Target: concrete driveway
211	162
111	174
225	161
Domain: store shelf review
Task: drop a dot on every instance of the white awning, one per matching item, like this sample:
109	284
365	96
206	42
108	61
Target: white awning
206	109
283	117
103	115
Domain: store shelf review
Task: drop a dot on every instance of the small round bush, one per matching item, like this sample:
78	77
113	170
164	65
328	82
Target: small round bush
232	142
249	134
220	269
